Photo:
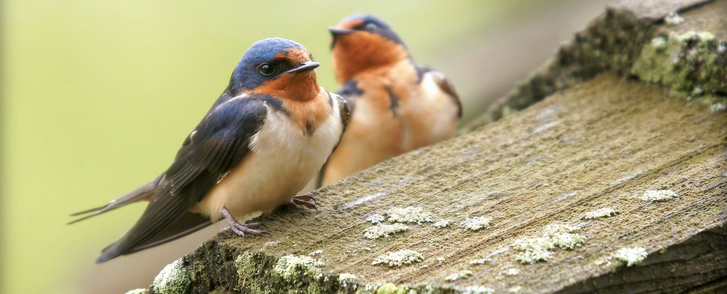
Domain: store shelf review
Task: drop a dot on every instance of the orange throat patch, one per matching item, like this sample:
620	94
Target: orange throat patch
360	51
311	114
297	86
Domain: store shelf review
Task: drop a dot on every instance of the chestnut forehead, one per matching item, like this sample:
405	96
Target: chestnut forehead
351	24
294	55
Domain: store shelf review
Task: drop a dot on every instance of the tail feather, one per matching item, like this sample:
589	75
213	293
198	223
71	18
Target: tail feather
137	194
89	210
185	225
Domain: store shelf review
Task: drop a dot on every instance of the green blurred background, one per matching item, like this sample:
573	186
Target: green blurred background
98	95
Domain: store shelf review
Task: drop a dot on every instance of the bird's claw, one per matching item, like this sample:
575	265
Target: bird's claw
304	200
242	229
306	197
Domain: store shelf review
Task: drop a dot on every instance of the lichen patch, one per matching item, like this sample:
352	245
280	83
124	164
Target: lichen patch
658	195
478	290
476	223
345	277
172	279
445	223
458	276
376	218
384	230
535	249
631	256
600	213
289	267
480	261
673	19
683	62
398	258
717	107
511	272
408	215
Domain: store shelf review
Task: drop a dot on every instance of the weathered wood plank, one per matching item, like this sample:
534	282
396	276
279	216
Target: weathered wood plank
611	126
598	145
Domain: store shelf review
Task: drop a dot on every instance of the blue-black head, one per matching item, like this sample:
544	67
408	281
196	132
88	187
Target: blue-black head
362	42
364	23
271	64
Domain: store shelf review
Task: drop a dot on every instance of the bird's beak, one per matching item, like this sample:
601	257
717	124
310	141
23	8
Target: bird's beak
305	66
336	31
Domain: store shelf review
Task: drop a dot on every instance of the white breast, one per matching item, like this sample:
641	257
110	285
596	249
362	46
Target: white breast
281	161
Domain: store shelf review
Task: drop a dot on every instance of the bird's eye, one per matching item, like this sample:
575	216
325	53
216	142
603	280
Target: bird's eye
371	27
266	69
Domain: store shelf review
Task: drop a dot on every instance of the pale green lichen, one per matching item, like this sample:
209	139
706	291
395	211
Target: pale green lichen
515	289
390	288
511	272
683	62
673	18
398	258
563	236
458	276
443	224
480	261
172	279
476	223
631	256
658	195
346	277
382	230
717	107
376	218
600	213
366	289
137	291
559	228
317	252
478	290
534	249
601	261
411	214
290	267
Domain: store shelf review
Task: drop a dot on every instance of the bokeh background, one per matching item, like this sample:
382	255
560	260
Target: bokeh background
98	95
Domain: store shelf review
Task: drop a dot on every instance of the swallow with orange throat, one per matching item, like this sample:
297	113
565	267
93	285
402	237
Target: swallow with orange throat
263	140
399	105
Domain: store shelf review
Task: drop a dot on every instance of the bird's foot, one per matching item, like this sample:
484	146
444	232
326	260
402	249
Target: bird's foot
304	200
242	229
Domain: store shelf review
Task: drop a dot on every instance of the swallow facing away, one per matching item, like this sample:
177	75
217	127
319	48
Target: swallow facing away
400	106
262	141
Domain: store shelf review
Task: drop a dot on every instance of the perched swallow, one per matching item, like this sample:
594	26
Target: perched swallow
399	105
262	141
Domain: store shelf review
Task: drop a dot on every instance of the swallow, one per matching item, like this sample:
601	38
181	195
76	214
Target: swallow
267	135
399	105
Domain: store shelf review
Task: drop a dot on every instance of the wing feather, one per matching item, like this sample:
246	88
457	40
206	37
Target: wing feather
215	147
444	84
345	107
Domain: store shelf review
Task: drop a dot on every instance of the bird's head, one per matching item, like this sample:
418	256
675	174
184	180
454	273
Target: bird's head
276	67
362	42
